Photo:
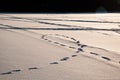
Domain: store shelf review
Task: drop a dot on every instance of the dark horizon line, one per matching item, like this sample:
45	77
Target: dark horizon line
30	12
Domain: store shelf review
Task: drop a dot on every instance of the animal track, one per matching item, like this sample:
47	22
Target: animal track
33	68
73	39
54	63
94	53
62	45
74	55
106	58
43	36
11	72
49	41
56	42
45	39
79	49
83	46
72	47
66	36
78	42
6	73
17	70
64	59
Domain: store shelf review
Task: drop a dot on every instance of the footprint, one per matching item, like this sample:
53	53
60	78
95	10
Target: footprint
72	47
66	37
49	41
74	55
79	49
6	73
78	42
73	39
106	58
62	45
43	36
94	53
45	39
32	68
17	70
56	42
64	59
83	46
54	63
63	35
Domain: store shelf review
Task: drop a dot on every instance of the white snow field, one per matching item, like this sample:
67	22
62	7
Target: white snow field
60	46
